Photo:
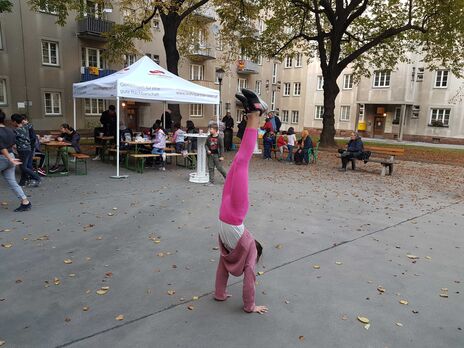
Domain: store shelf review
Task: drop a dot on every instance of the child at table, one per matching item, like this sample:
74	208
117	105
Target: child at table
68	134
179	137
159	143
239	251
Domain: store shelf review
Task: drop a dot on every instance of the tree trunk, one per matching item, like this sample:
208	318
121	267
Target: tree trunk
331	91
171	23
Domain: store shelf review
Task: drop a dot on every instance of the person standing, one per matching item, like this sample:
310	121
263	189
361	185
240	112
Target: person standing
241	127
214	149
228	131
108	121
24	149
166	118
291	139
8	163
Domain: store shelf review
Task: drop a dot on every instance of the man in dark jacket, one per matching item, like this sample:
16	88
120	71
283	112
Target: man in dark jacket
108	120
354	149
228	131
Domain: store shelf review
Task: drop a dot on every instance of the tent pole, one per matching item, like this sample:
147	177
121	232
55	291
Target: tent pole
74	114
164	114
217	116
118	139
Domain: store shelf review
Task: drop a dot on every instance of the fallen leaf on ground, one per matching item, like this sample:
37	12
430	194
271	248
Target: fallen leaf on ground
56	281
85	309
444	295
404	302
381	289
367	326
363	320
67	319
103	290
428	257
412	257
190	308
110	214
171	292
399	324
195	298
316	267
2	343
67	261
301	338
344	317
119	317
7	245
279	246
260	273
338	263
72	275
444	289
157	241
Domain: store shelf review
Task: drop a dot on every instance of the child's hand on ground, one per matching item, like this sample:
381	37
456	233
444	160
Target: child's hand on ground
260	309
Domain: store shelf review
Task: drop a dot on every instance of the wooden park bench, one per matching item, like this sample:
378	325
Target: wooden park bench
80	158
383	155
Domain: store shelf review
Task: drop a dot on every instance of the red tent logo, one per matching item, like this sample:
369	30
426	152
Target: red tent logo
156	72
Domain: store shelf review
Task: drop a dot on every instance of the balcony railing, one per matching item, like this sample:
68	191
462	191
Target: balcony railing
91	73
247	67
198	53
94	28
208	84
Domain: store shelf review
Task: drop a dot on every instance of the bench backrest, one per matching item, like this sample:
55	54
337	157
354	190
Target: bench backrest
388	151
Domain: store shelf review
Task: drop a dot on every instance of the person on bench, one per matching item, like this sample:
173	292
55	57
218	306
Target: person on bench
159	143
354	149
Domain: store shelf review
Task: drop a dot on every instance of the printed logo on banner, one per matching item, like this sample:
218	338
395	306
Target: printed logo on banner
156	72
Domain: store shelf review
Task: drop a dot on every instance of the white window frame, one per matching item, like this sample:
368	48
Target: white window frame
285	116
196	110
156	23
441	115
287	88
260	60
241	83
319	112
297	89
55	100
273	100
415	111
441	78
274	73
361	112
288	62
3	89
420	74
299	60
348	81
94	107
320	83
258	84
49	43
197	72
345	113
295	116
101	64
382	79
239	115
130	59
219	42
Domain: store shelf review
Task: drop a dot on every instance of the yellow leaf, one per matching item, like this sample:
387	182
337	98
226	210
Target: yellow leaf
412	257
338	263
404	302
260	273
67	261
160	254
363	320
399	324
195	298
7	245
316	267
444	289
171	292
381	289
119	317
444	295
279	246
157	241
103	290
85	309
428	257
56	281
190	308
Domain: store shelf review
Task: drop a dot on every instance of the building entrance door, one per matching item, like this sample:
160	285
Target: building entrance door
132	119
379	127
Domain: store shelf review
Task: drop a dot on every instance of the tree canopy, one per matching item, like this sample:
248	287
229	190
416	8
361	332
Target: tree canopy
5	6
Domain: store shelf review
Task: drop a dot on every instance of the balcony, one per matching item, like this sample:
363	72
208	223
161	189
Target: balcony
93	28
247	67
200	54
208	84
91	73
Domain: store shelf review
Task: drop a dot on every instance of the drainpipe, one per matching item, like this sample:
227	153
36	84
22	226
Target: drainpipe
24	58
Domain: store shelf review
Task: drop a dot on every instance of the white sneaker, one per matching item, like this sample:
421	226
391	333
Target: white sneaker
96	158
162	169
72	160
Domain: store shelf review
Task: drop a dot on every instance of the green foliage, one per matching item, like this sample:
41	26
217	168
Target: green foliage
5	6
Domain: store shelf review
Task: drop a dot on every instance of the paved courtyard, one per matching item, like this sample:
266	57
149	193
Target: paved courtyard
336	246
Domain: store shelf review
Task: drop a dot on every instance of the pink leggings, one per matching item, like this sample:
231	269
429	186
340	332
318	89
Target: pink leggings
234	205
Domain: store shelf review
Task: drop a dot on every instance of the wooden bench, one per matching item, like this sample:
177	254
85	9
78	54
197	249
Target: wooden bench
80	158
383	155
140	159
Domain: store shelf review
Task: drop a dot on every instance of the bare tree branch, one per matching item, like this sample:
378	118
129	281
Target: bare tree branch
147	20
192	8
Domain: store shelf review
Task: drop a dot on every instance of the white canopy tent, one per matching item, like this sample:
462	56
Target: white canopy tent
144	81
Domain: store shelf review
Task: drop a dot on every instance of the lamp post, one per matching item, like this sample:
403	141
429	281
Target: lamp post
220	75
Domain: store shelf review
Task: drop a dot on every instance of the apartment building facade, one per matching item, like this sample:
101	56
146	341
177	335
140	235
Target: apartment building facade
39	62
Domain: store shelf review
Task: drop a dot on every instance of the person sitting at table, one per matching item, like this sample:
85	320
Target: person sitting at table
68	134
178	138
159	143
192	142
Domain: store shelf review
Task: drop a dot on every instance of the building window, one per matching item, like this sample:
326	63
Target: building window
260	60
298	60
156	24
319	112
258	87
52	102
345	113
440	117
200	39
297	89
94	106
320	83
219	42
196	110
420	74
153	57
241	83
361	112
295	116
50	53
273	100
348	81
288	62
286	89
3	99
239	115
196	72
415	111
441	79
130	59
285	116
92	57
274	73
397	116
382	78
